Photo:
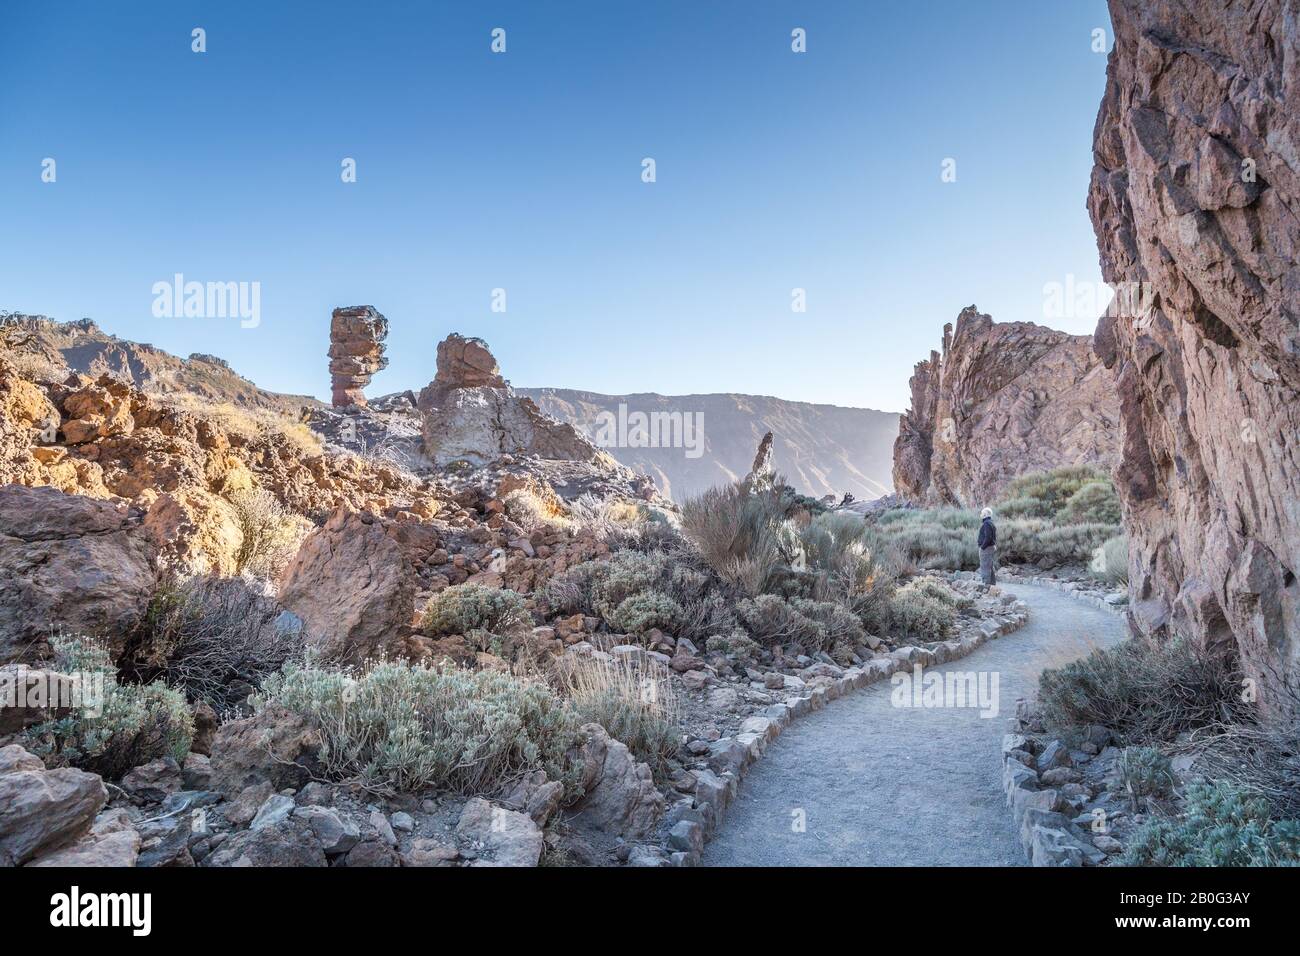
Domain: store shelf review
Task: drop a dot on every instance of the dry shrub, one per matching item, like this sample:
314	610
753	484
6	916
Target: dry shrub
634	701
742	534
1142	691
250	423
271	533
216	639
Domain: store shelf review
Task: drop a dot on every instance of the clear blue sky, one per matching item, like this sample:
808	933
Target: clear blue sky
523	171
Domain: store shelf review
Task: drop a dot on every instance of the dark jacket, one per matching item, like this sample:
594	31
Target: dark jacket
988	534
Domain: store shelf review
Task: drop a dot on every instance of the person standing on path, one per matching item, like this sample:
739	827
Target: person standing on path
988	541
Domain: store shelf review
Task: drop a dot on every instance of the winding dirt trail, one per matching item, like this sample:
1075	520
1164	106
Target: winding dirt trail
879	785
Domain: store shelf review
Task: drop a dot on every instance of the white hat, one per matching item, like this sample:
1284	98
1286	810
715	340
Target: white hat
986	513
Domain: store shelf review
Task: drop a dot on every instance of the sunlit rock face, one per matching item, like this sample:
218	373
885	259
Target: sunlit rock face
1001	400
1194	194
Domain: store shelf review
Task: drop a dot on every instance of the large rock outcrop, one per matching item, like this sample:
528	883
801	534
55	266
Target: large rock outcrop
356	352
352	585
71	563
1001	400
1196	194
471	414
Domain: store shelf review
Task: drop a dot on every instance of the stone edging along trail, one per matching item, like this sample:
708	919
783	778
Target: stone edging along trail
730	758
1065	587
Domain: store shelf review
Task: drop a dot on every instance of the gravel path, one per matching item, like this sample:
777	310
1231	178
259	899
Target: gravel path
880	785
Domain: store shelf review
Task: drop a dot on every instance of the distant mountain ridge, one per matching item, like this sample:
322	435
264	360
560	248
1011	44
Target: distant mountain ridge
821	449
84	347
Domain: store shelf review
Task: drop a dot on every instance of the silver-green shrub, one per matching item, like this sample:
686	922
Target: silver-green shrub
463	608
136	723
408	727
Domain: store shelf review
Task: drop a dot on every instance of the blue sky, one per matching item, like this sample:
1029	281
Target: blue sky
522	171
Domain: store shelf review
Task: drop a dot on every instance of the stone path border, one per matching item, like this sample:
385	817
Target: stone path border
1066	587
730	758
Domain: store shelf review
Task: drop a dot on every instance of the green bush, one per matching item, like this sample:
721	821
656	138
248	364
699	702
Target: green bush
933	538
463	608
136	723
774	621
633	591
1141	691
1220	825
1144	772
1043	494
1094	503
407	727
644	611
916	611
737	645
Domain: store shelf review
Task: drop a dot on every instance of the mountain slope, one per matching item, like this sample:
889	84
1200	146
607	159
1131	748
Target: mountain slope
821	449
84	347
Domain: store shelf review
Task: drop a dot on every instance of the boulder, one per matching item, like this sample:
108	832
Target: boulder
505	837
111	841
43	809
289	843
620	796
352	586
274	746
71	563
470	413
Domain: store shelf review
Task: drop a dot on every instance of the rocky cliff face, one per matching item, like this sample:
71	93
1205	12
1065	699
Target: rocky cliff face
1195	193
1001	400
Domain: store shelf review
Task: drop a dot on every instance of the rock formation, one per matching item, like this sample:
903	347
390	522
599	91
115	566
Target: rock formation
471	414
356	352
69	563
1001	400
761	475
1195	194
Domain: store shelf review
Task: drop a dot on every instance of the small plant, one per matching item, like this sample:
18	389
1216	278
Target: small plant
645	611
403	727
634	702
526	509
1144	772
463	608
917	610
737	645
136	723
810	625
1221	824
270	532
1110	561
